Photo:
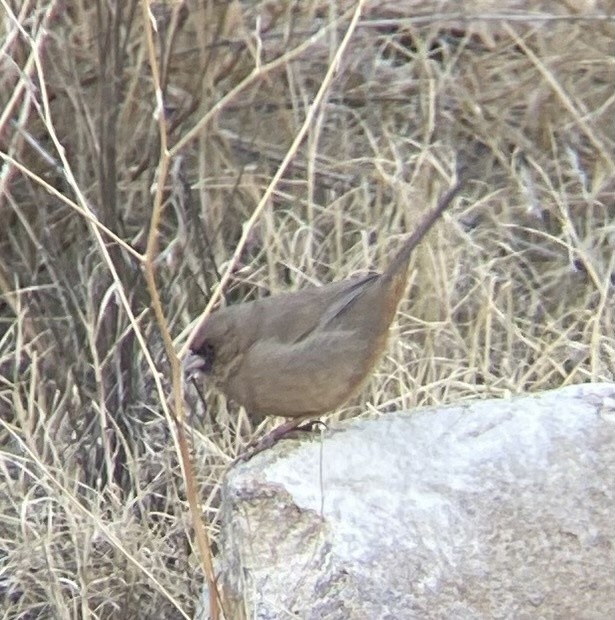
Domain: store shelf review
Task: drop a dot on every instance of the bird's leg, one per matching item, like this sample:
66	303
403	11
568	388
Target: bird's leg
273	436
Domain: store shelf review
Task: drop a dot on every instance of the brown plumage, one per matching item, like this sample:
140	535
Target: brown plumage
305	353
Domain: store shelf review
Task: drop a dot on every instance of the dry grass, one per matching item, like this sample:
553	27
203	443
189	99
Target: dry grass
511	293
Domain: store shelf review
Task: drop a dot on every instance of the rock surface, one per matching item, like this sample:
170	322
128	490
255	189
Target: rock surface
491	509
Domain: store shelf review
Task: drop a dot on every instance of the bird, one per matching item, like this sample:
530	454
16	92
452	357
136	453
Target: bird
302	354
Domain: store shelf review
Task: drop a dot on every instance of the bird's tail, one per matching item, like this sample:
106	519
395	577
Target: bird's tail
399	263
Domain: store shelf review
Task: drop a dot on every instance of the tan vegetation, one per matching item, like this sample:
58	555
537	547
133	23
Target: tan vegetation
513	291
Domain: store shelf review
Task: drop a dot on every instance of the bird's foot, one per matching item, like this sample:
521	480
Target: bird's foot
312	425
273	436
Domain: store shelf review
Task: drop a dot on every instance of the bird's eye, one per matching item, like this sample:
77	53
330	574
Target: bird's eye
207	353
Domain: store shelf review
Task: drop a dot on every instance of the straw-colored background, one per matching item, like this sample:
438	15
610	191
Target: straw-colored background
511	293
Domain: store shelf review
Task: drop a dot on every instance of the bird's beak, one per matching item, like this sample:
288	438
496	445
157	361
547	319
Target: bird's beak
193	364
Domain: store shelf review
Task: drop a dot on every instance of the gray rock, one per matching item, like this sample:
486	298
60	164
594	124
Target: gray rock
491	509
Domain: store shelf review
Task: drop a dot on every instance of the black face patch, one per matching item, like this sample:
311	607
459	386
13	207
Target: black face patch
207	353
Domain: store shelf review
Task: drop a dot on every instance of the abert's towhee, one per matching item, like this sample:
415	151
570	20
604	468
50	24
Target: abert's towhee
305	353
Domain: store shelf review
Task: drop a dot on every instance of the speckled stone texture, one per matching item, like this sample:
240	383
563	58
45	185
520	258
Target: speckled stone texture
492	509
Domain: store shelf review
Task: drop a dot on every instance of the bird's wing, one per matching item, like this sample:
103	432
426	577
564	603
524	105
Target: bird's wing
330	302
